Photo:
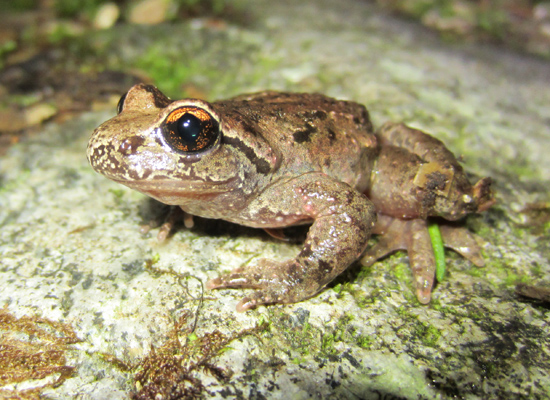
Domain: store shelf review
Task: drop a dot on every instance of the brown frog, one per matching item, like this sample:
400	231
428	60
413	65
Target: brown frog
271	160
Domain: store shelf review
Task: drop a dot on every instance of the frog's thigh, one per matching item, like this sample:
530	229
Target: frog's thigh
342	222
417	142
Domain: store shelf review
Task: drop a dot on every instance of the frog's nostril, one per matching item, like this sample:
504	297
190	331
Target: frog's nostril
130	145
126	147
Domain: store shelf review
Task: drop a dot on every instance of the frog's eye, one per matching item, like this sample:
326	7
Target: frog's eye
120	104
190	129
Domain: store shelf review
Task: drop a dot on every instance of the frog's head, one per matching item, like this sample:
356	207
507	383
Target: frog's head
170	150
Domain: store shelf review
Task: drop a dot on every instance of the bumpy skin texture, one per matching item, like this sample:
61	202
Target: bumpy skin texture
272	160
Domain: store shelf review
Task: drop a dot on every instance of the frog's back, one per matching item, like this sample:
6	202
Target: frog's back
308	131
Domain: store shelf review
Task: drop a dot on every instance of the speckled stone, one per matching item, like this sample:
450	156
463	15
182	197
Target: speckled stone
71	250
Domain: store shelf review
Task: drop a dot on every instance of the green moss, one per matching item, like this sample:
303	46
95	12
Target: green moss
521	168
302	339
327	344
155	259
298	360
536	269
365	272
71	8
513	279
19	5
346	332
429	334
436	304
338	288
365	342
216	7
6	47
303	342
362	299
475	314
172	70
417	8
493	21
21	179
476	272
402	272
482	230
505	273
118	193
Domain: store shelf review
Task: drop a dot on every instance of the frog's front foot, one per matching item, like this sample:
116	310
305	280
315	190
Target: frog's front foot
275	282
412	235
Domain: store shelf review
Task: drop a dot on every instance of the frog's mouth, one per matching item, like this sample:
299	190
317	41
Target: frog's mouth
177	193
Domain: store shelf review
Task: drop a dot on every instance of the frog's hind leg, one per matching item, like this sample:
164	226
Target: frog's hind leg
410	235
439	173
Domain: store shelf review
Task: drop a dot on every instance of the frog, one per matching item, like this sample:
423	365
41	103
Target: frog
272	160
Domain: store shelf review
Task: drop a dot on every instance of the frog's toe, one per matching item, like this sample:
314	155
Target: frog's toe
413	237
235	279
246	304
258	298
463	242
275	282
239	280
393	239
421	258
385	246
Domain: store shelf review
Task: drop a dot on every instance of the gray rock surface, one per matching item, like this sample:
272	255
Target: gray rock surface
71	250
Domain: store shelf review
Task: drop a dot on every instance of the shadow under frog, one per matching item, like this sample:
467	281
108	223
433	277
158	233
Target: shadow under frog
272	160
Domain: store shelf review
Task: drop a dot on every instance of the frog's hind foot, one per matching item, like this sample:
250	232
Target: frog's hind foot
275	282
412	236
463	242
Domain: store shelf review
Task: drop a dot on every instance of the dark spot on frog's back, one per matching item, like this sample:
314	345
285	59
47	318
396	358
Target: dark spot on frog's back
276	112
318	115
324	267
304	135
436	181
331	134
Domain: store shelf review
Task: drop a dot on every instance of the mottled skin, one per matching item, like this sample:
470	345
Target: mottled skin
271	160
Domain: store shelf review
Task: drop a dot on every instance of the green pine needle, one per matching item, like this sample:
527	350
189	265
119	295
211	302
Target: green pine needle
439	252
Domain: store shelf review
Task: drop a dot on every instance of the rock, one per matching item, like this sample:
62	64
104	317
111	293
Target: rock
150	12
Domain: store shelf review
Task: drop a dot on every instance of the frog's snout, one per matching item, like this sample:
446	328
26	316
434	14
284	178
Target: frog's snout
483	195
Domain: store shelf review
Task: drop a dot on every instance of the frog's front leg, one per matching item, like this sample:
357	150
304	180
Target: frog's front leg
342	222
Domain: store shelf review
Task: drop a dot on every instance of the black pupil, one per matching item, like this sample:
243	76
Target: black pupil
189	128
